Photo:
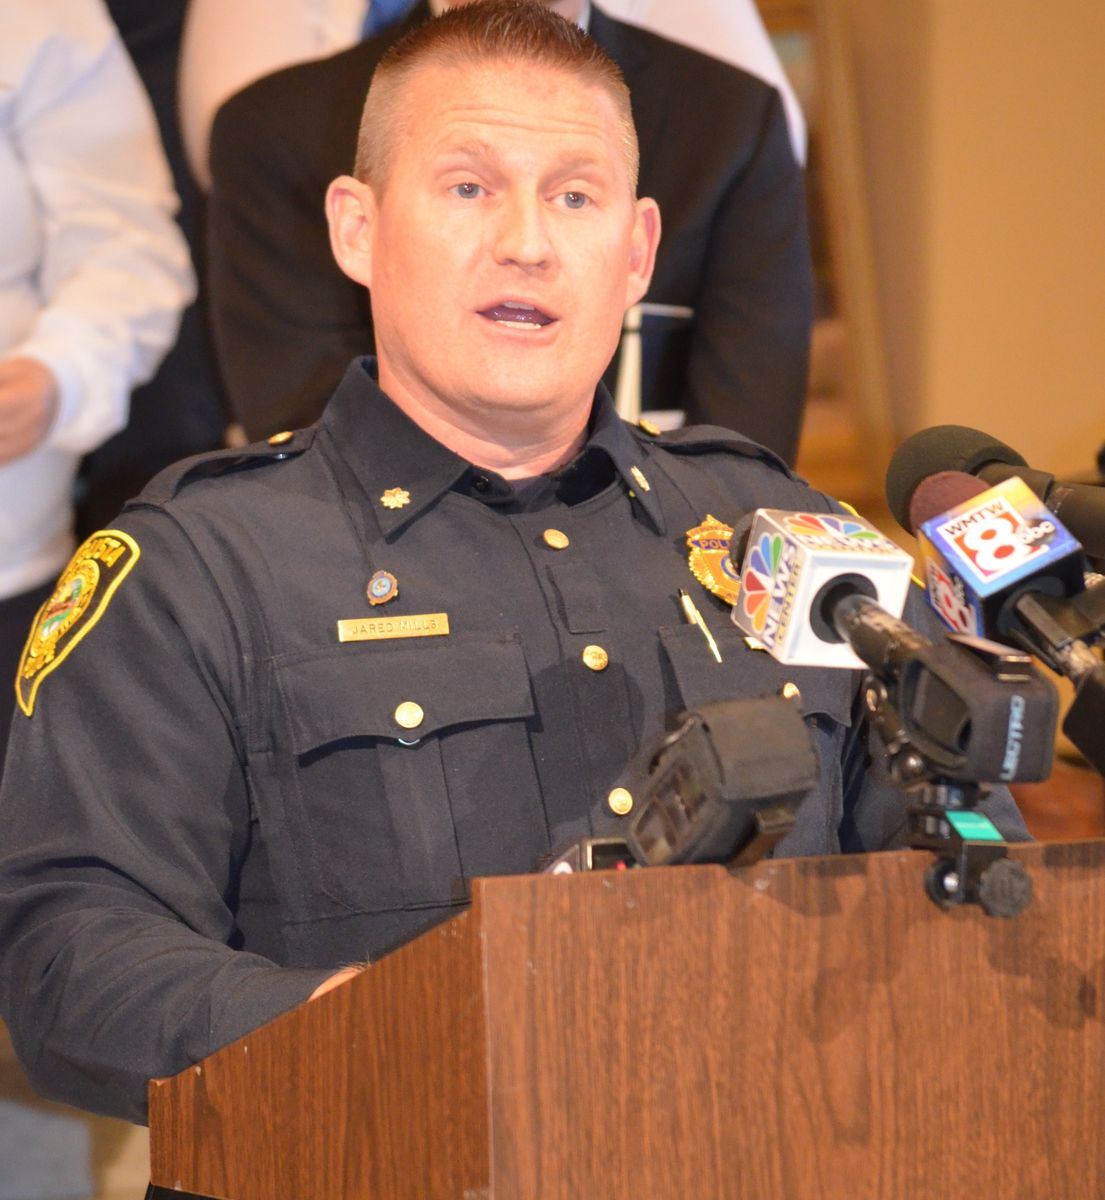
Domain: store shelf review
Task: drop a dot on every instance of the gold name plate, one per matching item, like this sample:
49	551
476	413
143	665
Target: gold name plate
371	629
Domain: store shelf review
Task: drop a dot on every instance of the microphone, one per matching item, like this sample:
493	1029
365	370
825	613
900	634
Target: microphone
999	563
823	590
796	568
953	716
987	550
723	786
1080	506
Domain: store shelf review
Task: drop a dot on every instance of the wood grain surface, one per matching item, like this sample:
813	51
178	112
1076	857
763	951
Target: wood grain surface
807	1029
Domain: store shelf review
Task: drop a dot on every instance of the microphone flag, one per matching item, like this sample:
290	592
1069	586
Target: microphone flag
792	560
979	553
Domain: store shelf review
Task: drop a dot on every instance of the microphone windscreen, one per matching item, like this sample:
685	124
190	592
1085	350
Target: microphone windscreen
941	448
938	493
738	543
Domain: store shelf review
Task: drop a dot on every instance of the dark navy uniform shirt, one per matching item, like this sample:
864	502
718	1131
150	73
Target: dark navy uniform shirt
215	801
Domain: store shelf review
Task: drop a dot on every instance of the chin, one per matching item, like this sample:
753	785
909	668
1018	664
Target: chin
529	387
520	399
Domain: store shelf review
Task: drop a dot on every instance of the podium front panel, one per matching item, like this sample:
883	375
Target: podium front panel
810	1029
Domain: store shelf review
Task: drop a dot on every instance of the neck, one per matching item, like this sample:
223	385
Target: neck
517	444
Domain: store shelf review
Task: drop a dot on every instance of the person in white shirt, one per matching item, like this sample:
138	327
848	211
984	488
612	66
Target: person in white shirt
93	276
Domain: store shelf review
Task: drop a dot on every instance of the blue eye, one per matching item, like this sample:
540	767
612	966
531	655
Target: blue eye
466	191
575	199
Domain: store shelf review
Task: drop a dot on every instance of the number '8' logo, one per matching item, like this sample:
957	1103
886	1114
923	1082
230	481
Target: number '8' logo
993	545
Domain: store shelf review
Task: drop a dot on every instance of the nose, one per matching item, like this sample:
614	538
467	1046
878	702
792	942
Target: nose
522	236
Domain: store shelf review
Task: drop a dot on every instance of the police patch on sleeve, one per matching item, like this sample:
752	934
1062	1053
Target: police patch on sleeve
76	604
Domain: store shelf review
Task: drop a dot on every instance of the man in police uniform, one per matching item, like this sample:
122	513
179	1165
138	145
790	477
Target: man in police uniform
280	715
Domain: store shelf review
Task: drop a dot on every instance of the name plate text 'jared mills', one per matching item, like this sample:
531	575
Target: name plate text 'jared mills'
371	629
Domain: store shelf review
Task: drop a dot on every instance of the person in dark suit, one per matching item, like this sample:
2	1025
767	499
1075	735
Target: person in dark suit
715	154
180	411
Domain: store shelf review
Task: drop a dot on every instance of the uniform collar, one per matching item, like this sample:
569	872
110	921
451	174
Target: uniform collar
611	435
404	471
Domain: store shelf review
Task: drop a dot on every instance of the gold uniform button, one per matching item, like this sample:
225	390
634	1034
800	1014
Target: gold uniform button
278	439
556	539
596	658
409	715
620	802
649	428
790	691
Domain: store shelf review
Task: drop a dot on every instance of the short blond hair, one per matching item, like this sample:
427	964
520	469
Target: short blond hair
473	34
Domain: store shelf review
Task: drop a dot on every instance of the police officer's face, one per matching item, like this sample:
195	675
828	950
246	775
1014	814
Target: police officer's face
506	244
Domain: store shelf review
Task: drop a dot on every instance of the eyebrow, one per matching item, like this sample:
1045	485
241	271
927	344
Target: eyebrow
581	163
476	149
469	149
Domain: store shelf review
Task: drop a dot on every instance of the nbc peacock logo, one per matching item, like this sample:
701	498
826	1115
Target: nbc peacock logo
761	566
827	531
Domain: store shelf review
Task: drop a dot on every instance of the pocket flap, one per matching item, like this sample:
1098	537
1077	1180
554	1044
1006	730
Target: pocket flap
356	691
745	673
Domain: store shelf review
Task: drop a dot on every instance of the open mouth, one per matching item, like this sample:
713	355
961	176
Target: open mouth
517	315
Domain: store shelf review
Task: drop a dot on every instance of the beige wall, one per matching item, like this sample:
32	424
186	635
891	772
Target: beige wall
984	134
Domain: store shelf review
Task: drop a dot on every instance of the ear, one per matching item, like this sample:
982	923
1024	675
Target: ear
642	250
351	214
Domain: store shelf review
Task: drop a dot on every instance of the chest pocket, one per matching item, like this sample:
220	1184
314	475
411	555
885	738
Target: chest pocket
826	701
407	759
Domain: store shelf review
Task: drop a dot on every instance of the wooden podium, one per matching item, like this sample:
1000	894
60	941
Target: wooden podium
803	1029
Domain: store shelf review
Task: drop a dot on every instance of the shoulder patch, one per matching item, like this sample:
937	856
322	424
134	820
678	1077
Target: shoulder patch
77	602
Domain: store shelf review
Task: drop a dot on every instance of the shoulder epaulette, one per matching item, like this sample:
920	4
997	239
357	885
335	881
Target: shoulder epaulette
167	483
701	439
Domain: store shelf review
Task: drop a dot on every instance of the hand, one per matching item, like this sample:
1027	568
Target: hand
28	404
335	980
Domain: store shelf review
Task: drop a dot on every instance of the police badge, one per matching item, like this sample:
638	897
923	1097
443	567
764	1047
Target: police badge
93	574
709	558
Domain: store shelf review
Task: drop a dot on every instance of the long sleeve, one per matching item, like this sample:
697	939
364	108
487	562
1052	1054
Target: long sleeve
126	816
112	272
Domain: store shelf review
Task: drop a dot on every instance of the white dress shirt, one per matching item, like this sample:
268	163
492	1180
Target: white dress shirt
93	270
